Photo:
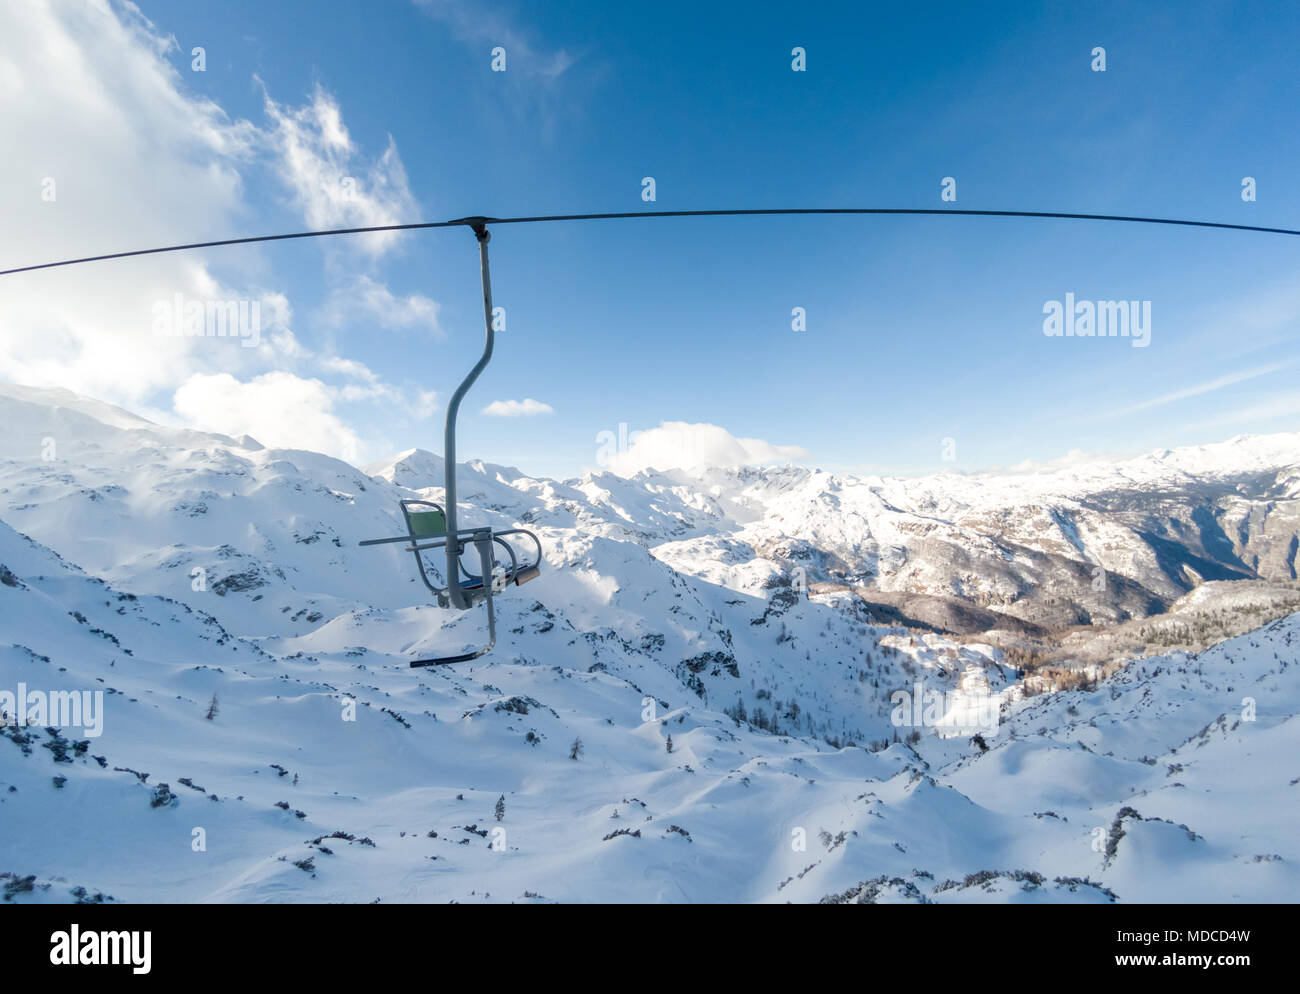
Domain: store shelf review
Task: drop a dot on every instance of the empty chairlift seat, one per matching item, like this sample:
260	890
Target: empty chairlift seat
430	526
500	564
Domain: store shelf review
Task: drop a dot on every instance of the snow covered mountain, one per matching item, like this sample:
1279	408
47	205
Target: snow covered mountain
263	740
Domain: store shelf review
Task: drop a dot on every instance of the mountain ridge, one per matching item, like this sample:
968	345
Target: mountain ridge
175	570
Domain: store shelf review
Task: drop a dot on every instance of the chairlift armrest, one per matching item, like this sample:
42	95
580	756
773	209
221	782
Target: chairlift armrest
460	532
523	531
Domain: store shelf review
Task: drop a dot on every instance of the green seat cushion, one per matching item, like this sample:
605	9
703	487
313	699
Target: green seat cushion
428	523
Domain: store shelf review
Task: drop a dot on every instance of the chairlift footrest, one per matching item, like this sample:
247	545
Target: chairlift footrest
464	657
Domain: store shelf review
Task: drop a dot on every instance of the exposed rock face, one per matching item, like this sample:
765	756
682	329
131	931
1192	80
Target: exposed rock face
1098	546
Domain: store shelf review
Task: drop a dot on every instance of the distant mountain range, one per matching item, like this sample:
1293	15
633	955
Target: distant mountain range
761	619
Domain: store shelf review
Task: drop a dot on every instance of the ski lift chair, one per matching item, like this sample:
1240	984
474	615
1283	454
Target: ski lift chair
426	526
431	526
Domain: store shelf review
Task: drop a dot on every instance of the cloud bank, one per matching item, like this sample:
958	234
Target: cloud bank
681	445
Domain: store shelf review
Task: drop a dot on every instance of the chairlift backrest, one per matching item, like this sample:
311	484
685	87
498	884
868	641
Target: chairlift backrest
426	524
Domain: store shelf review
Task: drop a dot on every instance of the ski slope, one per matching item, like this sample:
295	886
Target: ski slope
658	616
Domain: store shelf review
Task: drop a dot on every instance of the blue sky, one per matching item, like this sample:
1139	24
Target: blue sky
919	329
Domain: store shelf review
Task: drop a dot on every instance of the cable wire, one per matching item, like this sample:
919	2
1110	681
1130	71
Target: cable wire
476	222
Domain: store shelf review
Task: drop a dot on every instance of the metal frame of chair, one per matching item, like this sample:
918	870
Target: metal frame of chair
436	528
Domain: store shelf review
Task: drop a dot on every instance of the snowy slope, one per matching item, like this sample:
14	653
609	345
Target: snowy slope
666	601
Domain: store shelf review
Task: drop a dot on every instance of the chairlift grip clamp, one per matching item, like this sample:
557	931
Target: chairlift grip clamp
478	224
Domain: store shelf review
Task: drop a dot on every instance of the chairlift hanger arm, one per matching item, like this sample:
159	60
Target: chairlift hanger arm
454	592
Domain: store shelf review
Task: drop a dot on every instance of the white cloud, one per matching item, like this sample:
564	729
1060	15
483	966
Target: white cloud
350	380
424	404
350	367
536	93
1200	389
279	409
327	181
483	28
1075	457
679	445
363	382
369	302
1261	414
525	408
92	104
